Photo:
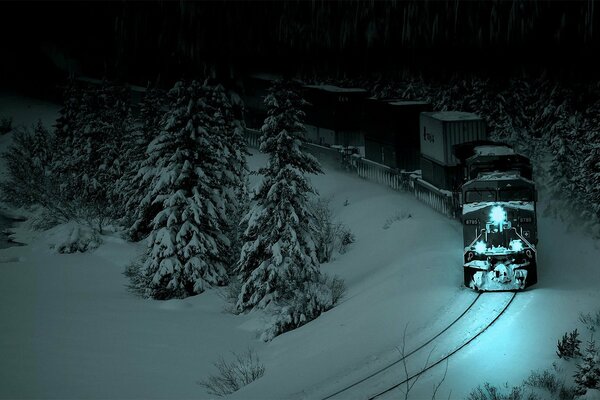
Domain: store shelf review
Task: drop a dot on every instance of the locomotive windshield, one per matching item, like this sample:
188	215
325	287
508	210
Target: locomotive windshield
516	194
479	196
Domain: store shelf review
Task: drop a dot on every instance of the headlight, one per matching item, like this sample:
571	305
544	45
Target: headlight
480	247
497	215
516	245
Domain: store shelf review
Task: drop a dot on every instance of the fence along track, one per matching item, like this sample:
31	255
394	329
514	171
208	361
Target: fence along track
440	200
427	368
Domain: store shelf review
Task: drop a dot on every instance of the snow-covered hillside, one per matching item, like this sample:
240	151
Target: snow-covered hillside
70	329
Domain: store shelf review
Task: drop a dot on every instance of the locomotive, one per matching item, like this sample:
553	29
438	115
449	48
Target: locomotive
498	200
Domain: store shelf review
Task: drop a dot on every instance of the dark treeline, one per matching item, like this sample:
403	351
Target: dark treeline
146	41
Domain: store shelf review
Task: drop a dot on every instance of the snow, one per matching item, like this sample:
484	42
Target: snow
494	151
70	329
407	103
453	116
336	89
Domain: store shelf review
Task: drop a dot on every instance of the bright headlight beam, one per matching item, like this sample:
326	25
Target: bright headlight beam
516	245
480	247
498	215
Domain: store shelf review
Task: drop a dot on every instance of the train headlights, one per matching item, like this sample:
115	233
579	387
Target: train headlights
480	247
498	215
516	245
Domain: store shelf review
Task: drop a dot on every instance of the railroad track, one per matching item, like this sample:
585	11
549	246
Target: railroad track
482	313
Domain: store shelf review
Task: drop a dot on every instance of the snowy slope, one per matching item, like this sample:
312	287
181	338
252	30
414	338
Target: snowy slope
70	329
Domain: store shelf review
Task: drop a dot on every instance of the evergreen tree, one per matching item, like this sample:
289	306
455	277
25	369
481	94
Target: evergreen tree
133	188
588	370
91	128
229	130
186	248
278	257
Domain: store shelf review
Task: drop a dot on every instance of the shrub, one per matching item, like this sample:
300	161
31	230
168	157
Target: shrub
304	304
73	237
490	392
568	346
549	382
5	125
233	375
591	321
329	236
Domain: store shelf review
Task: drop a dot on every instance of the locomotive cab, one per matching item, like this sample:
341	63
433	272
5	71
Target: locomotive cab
499	226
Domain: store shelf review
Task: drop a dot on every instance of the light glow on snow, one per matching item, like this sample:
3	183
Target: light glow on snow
480	247
498	215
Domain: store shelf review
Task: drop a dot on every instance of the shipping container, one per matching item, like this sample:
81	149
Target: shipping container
334	114
441	176
440	131
391	129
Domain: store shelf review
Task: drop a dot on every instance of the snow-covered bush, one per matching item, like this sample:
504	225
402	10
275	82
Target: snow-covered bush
5	125
28	161
329	235
32	180
491	392
233	375
73	237
550	385
302	304
590	320
568	346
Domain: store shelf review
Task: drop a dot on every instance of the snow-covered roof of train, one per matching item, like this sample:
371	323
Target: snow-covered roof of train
492	150
265	76
336	89
453	116
407	103
497	176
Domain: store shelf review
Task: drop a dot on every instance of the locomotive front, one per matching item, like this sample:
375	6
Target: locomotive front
499	231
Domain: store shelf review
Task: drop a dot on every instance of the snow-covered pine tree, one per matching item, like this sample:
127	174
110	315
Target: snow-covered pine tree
187	248
138	214
278	264
229	130
588	370
28	164
589	171
91	127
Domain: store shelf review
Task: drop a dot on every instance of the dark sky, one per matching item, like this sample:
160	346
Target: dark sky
142	41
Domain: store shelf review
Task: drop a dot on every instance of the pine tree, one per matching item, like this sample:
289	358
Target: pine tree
187	247
91	128
568	346
229	130
588	370
278	257
133	188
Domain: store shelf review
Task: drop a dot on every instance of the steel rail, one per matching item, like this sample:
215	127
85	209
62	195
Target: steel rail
447	355
405	356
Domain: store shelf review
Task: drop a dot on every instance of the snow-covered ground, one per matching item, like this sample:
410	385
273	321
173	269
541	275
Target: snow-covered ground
70	329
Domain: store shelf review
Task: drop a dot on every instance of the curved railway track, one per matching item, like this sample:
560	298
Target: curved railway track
466	327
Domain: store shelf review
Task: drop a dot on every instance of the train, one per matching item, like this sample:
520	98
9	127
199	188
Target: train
447	154
498	218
